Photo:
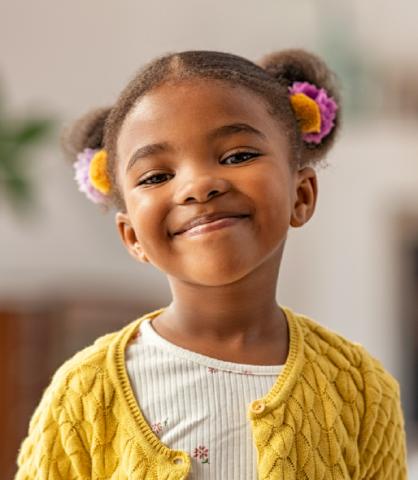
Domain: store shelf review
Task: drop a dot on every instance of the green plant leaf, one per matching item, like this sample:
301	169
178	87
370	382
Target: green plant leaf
16	139
32	131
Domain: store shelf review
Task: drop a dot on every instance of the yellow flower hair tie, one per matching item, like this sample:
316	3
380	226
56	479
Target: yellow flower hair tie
98	172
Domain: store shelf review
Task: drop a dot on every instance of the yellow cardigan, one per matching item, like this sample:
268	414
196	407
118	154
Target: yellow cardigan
333	413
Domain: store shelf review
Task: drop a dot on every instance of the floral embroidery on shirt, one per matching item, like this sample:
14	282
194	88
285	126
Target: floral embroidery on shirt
201	452
157	427
244	372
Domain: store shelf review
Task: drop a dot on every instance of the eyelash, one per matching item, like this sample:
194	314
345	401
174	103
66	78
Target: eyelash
252	155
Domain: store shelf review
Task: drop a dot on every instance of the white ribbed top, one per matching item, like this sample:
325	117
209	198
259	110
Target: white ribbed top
198	404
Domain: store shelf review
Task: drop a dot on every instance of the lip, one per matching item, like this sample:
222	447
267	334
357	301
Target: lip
207	219
214	225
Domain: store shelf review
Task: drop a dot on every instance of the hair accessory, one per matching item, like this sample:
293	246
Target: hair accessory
314	110
91	174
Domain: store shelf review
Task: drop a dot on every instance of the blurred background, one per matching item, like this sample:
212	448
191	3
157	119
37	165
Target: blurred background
65	277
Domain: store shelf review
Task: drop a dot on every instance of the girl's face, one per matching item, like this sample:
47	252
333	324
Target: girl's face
204	147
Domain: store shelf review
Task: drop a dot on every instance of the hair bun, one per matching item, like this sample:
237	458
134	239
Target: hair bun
289	66
86	132
295	65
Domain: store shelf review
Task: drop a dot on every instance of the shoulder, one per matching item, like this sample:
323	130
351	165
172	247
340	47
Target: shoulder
92	357
80	376
89	362
338	354
95	365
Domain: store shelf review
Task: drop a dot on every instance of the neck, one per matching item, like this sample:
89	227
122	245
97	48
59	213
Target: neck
239	314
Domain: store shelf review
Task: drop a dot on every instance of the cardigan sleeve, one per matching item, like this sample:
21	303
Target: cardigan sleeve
53	448
382	437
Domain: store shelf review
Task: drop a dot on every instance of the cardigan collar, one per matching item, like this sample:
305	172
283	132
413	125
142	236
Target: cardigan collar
274	399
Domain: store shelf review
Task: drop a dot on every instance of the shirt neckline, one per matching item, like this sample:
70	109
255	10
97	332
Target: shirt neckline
278	394
151	336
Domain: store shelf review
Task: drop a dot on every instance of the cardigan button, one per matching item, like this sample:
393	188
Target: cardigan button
258	406
178	460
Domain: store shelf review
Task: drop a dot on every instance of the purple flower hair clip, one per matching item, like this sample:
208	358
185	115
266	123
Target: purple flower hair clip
314	109
91	175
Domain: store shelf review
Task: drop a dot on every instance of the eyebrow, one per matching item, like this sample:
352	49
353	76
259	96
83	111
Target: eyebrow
223	131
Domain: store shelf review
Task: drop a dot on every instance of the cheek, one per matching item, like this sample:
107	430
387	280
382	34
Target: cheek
273	205
148	217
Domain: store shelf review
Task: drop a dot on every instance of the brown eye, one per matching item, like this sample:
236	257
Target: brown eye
149	180
242	156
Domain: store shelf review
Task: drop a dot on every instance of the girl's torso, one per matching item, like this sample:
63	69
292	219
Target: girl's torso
197	403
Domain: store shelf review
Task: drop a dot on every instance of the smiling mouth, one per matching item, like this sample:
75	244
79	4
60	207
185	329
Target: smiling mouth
213	225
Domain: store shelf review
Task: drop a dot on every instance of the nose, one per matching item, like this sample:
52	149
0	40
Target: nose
201	189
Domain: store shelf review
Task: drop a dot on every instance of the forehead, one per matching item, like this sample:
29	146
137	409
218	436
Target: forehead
184	112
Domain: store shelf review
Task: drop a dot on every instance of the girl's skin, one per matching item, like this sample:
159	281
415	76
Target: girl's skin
223	282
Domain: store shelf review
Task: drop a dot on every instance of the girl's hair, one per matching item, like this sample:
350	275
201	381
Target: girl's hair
270	79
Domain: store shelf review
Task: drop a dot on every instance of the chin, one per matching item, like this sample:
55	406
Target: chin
218	274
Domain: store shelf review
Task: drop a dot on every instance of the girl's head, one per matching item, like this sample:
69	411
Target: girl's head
202	132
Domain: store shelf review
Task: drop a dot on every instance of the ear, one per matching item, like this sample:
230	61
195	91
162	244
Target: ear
128	237
306	194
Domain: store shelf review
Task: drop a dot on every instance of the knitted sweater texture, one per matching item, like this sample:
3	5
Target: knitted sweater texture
333	413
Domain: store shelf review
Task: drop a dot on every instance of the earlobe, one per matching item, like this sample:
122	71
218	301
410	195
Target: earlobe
305	198
140	253
128	237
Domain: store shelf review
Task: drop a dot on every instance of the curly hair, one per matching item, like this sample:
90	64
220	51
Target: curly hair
269	78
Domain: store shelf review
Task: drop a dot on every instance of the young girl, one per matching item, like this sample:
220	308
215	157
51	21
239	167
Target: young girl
209	159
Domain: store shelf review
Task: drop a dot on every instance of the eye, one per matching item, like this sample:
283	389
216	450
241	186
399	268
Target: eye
244	156
156	178
149	180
